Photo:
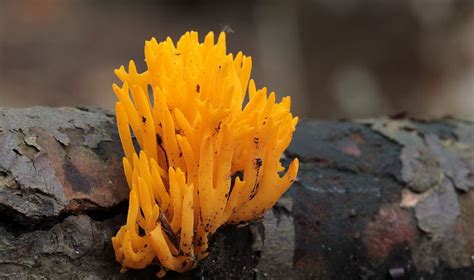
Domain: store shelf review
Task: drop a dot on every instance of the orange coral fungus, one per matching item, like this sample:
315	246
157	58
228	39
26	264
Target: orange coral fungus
195	135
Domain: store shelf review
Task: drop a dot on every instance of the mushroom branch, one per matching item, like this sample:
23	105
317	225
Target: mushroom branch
373	198
205	158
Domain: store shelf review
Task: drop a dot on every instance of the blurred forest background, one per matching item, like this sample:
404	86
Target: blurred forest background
336	58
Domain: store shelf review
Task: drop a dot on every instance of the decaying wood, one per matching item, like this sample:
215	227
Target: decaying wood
374	199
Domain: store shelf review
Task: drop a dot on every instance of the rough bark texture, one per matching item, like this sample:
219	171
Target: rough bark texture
375	199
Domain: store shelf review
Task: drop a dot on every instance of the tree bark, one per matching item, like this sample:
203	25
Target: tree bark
375	199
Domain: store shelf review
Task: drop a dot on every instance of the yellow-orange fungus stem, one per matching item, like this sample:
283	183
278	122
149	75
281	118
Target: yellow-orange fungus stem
205	158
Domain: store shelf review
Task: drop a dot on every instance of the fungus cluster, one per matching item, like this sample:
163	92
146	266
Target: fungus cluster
205	159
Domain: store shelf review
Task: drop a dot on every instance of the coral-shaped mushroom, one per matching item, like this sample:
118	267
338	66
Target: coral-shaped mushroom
205	158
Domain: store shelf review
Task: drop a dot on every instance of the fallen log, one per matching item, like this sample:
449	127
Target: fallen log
374	199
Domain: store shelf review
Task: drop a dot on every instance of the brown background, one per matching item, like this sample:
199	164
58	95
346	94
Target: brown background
337	59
